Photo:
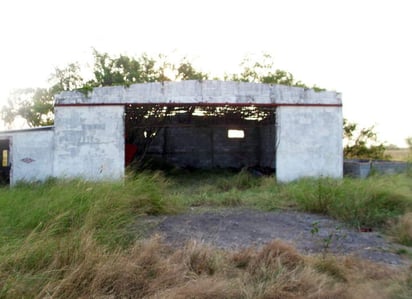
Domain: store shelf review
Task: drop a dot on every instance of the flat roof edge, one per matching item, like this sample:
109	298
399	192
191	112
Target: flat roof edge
194	91
45	128
200	104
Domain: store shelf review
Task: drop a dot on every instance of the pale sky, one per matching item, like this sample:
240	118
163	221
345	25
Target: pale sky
360	48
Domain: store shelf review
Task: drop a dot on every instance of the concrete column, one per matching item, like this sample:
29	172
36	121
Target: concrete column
89	142
309	142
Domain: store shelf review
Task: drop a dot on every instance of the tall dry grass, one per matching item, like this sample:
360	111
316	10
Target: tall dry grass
399	154
152	269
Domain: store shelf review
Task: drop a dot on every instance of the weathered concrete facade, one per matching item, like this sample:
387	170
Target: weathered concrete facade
30	154
206	92
89	142
296	131
310	142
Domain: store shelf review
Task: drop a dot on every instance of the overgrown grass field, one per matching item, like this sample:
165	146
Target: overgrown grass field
76	239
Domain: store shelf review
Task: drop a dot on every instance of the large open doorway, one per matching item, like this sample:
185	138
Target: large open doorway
202	136
4	161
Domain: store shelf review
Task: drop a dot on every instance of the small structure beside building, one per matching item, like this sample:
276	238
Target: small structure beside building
293	131
359	168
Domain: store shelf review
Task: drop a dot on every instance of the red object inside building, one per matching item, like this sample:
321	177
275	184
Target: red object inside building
130	152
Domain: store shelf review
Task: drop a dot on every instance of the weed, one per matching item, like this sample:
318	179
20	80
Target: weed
333	238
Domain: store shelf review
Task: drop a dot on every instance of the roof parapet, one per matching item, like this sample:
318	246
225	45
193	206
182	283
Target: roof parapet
193	91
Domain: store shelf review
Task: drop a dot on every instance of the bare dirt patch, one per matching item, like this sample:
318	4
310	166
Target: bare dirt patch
309	233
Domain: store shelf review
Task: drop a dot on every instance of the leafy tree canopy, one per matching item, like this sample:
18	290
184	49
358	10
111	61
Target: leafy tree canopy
35	106
409	142
362	143
263	71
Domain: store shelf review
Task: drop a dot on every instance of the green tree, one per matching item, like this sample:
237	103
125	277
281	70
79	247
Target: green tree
362	143
186	71
263	71
409	143
35	106
124	70
67	78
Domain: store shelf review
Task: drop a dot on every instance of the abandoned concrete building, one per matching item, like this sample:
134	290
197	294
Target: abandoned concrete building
293	131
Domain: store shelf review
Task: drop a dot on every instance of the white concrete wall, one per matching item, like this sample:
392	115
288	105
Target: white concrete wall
89	142
31	154
309	142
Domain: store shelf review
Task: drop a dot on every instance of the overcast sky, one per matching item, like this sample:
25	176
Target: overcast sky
360	48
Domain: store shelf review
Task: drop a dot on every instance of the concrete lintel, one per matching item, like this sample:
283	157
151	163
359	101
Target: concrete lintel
192	91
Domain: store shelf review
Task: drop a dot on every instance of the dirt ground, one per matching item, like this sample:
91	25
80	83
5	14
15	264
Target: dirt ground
309	233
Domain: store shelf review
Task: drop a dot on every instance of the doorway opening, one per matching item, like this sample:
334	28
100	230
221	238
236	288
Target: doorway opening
5	162
201	136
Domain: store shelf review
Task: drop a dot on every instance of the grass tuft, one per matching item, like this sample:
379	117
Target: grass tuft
273	255
201	259
402	229
332	267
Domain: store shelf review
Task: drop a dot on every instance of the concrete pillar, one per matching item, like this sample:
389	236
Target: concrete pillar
309	142
89	142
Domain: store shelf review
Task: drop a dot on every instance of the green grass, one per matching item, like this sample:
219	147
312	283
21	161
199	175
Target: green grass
369	202
60	208
47	230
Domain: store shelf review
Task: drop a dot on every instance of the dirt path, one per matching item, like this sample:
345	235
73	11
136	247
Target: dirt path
236	228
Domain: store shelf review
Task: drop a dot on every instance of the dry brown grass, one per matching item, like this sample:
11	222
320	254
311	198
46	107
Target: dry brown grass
152	269
401	154
368	280
402	229
277	270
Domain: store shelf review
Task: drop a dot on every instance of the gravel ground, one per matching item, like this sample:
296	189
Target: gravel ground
309	233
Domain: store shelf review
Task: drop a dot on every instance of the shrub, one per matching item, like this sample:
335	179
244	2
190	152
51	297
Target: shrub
362	144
